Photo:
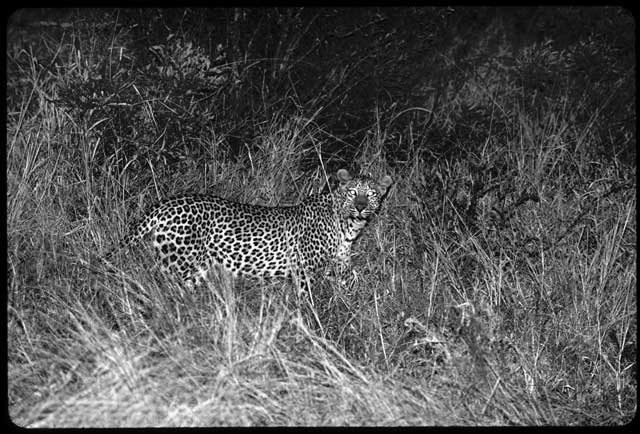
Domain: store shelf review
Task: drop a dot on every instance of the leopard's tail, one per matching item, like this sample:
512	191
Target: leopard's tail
139	231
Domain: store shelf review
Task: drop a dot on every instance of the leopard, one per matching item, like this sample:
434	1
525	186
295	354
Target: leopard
194	234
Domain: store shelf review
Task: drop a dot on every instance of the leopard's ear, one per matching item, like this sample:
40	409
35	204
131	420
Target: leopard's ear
383	184
343	176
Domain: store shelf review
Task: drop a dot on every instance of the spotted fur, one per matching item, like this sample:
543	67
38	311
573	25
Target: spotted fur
193	234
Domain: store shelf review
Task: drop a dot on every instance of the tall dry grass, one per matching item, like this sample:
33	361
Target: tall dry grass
495	287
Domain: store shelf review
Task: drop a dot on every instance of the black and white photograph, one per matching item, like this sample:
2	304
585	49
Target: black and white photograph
321	217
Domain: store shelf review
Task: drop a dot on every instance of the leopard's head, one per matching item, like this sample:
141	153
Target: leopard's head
360	197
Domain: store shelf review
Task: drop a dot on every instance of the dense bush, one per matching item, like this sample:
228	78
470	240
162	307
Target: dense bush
497	285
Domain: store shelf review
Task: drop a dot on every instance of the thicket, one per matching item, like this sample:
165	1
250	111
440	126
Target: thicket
497	285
